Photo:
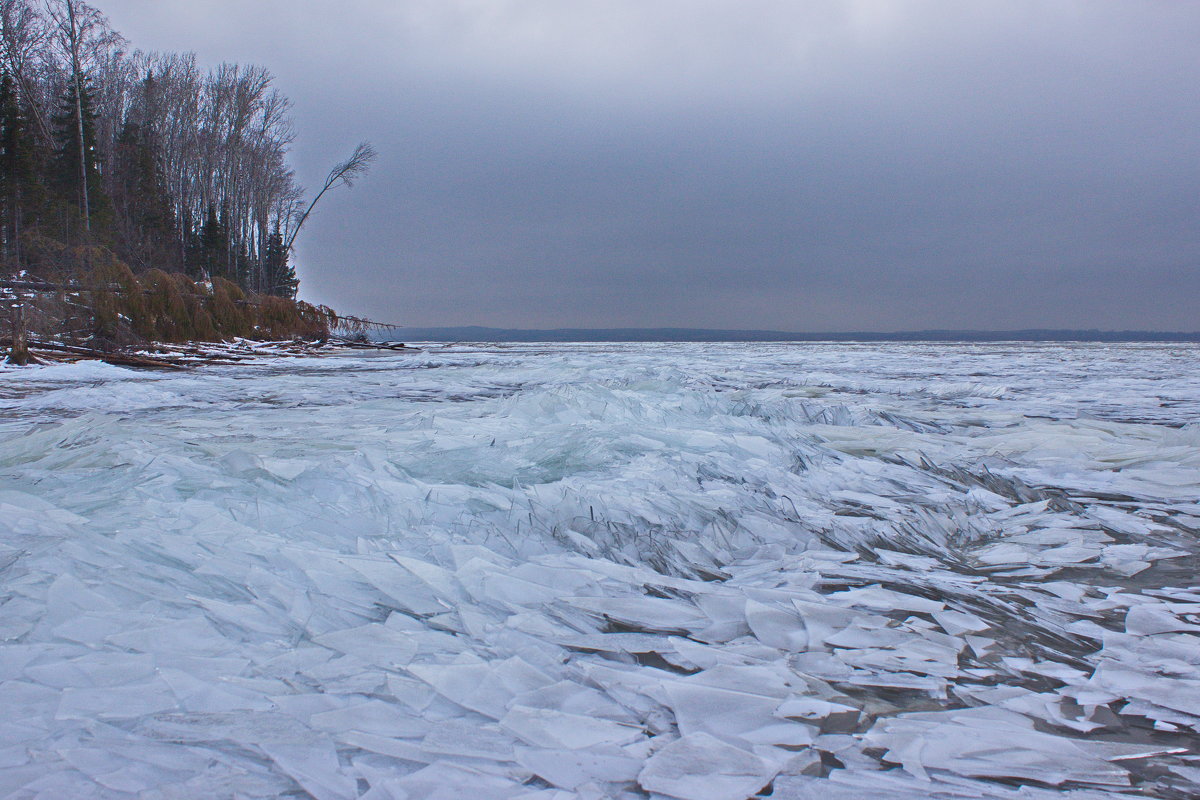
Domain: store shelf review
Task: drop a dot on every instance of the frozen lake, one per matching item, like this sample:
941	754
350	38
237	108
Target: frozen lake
695	571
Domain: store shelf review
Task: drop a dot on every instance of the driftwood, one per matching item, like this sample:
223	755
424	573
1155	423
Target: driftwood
115	358
206	353
46	357
361	345
46	286
192	354
125	360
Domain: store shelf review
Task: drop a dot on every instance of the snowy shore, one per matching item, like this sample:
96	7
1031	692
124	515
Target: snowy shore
165	355
695	571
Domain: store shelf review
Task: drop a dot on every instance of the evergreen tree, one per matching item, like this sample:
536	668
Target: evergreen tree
67	171
210	248
23	163
14	173
143	215
280	276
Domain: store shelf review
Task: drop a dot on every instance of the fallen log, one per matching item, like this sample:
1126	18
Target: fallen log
46	286
179	356
195	350
123	360
114	358
45	356
357	345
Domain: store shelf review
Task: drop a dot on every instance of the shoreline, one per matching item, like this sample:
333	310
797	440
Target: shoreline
180	356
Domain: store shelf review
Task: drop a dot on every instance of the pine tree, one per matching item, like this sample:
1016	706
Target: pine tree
210	248
24	160
67	158
280	276
144	219
12	171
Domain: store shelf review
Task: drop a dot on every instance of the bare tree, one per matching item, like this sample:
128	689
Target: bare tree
82	33
222	141
344	173
23	38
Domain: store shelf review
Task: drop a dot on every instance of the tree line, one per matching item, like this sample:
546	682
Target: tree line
166	165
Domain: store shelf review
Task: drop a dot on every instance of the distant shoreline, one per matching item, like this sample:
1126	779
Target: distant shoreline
482	334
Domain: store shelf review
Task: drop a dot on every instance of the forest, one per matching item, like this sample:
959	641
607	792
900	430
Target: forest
116	164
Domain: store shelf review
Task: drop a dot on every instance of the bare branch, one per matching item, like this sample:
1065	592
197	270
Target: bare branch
356	165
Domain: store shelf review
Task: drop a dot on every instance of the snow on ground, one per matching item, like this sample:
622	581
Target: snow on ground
686	571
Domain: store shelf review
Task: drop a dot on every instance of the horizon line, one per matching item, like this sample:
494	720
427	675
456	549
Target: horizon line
482	332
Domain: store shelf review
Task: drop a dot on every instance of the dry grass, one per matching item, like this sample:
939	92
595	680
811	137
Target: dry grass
119	309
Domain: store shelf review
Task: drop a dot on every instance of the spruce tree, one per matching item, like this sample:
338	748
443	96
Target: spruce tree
23	159
12	175
145	221
67	158
210	257
280	276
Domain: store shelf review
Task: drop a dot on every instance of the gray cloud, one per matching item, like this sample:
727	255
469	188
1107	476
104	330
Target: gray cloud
820	166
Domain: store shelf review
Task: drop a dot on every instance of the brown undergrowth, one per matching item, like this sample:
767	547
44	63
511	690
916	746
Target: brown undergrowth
107	306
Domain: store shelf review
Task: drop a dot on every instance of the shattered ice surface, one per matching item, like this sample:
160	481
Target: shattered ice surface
690	571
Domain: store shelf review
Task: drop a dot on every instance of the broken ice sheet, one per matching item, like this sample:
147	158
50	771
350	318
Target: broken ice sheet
373	643
571	769
374	717
446	779
992	743
112	702
485	688
433	573
545	727
957	623
778	627
829	716
455	738
897	785
648	614
1180	694
720	712
881	599
1162	618
700	767
575	698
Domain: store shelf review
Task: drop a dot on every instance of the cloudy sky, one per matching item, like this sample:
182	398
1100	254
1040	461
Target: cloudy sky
789	164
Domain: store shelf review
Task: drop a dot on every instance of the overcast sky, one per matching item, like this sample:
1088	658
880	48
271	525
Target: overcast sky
797	165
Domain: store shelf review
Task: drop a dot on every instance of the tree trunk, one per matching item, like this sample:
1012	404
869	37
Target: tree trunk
19	353
76	69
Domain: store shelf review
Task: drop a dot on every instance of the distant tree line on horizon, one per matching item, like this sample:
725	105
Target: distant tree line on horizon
166	165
